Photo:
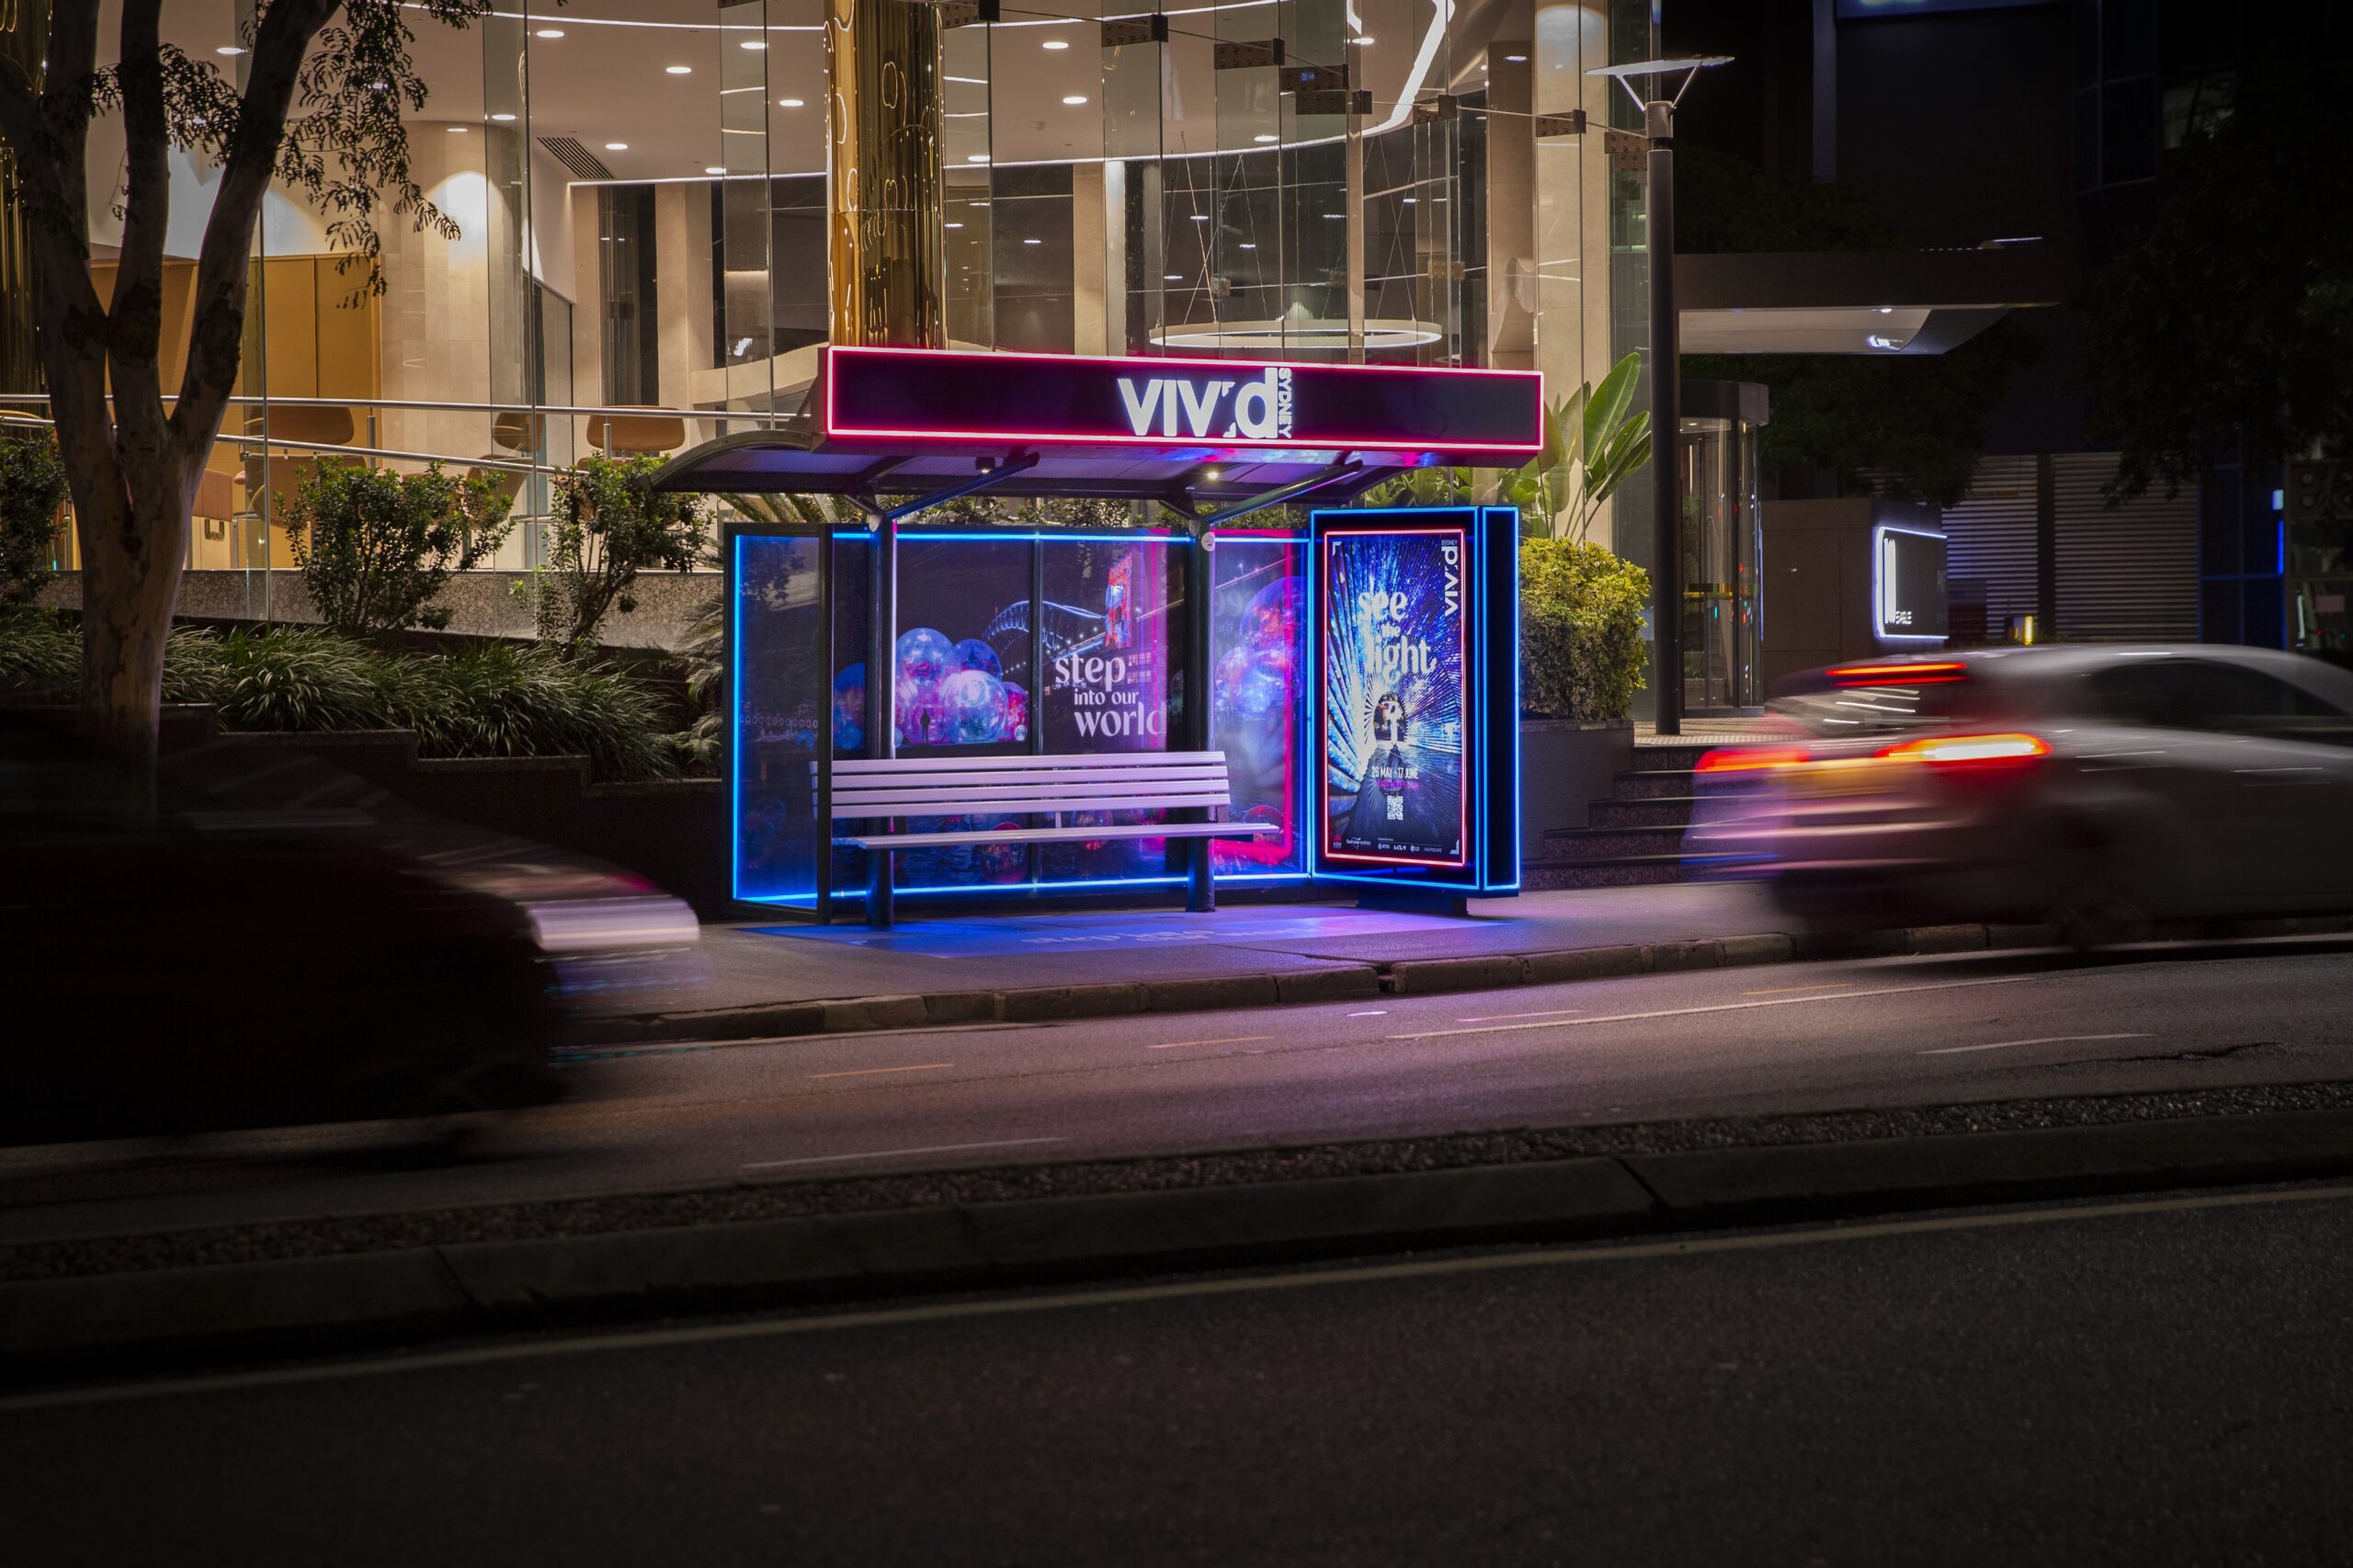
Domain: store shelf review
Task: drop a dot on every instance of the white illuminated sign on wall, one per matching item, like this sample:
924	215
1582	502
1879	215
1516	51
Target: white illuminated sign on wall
1907	585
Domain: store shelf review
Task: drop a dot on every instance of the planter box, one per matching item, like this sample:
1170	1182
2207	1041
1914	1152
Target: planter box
1565	765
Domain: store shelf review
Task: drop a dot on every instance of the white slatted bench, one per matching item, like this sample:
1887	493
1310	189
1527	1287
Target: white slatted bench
1191	783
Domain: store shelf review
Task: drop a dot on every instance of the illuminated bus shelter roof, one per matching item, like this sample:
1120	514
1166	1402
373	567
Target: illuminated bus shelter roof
898	430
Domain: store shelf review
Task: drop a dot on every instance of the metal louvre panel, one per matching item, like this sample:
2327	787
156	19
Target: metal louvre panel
1989	537
2125	575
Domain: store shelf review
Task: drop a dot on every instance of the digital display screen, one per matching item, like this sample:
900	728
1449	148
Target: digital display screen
1395	711
1908	582
900	394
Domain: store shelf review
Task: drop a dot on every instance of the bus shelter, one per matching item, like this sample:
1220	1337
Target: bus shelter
1358	669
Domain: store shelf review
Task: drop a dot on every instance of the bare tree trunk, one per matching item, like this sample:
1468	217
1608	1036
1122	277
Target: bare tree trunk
133	551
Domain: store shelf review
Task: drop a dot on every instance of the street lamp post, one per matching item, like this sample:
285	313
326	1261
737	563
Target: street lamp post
1666	469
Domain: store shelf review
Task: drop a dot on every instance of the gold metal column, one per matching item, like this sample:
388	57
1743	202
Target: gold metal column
887	262
24	38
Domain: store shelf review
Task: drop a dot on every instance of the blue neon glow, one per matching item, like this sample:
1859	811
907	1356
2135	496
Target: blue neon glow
914	536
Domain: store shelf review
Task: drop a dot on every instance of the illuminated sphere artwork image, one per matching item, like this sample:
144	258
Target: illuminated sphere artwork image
1016	710
1255	676
973	709
849	707
972	653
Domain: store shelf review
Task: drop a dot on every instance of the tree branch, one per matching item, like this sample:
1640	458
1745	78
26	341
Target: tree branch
219	304
135	315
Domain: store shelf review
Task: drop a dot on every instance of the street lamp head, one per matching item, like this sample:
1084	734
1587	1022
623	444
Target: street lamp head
1627	74
1660	68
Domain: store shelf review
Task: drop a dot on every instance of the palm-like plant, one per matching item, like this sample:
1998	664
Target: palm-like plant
1592	445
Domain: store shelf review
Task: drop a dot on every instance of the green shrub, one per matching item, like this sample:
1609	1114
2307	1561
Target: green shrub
610	525
375	548
501	700
41	652
32	487
288	678
1581	649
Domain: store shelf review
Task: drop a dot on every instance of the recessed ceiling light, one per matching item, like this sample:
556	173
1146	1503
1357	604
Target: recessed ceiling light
977	157
1074	99
1409	201
714	168
753	43
1201	217
456	131
790	103
679	70
1516	59
1171	278
1033	242
502	119
1342	216
1360	39
1262	139
548	32
1055	43
1247	245
616	146
231	48
952	225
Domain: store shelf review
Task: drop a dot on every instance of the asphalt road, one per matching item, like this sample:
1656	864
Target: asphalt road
2158	1382
1773	1038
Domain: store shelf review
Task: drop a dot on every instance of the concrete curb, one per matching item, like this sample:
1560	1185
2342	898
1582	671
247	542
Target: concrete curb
52	1330
1346	982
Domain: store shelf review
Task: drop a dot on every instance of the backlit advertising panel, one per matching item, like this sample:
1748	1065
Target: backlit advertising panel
1396	710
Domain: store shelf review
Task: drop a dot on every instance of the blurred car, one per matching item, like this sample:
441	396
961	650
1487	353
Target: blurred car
2098	787
279	941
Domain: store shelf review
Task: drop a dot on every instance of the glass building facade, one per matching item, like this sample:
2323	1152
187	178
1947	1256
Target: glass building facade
665	207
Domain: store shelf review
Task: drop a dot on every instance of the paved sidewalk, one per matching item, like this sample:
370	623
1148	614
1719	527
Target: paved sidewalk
783	979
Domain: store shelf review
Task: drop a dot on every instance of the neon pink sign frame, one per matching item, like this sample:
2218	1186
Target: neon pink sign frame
1317	441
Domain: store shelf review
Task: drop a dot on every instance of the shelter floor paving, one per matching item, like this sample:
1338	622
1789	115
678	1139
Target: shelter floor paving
757	962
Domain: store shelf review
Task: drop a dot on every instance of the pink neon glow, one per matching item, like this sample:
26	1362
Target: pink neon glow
1533	380
1322	718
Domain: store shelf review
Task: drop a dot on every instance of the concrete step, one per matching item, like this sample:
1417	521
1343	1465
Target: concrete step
1626	871
1651	784
1591	844
1672	754
1658	811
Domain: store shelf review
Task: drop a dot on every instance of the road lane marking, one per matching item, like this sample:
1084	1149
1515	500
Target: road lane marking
1230	1039
1786	990
1312	1279
1728	1006
2045	1040
869	1072
1376	1013
891	1154
1547	1013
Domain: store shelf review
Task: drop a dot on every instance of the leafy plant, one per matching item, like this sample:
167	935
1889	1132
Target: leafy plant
32	487
375	548
503	700
1592	445
1581	649
40	652
290	678
610	525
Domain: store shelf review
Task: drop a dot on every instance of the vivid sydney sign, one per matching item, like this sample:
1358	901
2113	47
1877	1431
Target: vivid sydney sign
906	396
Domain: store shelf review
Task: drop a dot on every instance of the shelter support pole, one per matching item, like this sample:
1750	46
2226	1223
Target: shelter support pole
881	698
1200	896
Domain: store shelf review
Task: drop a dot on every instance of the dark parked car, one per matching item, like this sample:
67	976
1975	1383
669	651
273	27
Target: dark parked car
2102	788
278	941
